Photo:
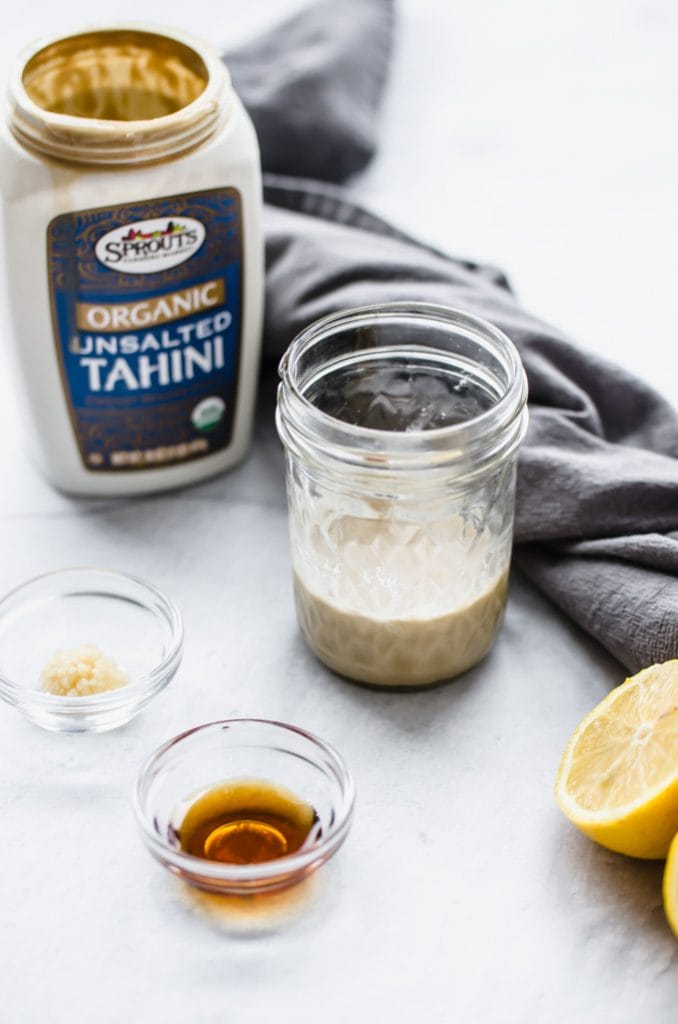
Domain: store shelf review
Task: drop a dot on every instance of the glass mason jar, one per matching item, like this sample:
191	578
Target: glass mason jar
401	425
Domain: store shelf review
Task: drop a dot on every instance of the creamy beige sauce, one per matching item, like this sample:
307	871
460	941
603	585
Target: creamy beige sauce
400	652
396	603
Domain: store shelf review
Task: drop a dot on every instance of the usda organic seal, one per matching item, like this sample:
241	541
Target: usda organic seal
208	414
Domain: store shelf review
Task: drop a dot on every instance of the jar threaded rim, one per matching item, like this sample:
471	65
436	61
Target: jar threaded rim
469	447
85	139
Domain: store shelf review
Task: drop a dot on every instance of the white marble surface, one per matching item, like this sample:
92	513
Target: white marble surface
538	136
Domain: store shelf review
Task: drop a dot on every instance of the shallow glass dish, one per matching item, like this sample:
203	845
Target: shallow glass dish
130	620
243	748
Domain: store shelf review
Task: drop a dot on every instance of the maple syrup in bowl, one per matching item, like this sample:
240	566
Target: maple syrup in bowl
244	806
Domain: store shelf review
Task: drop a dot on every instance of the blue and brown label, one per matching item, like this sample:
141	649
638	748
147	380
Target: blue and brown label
146	307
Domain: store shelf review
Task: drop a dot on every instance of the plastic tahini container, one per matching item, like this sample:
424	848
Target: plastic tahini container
132	218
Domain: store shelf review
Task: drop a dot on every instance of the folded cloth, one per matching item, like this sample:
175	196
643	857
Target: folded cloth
312	87
597	498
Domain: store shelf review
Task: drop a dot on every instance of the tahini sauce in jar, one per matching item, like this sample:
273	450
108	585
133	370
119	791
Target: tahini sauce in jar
132	229
401	424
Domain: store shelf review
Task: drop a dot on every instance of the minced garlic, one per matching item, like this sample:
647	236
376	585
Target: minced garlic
81	672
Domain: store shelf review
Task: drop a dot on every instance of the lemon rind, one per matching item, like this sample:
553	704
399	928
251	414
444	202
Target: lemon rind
670	873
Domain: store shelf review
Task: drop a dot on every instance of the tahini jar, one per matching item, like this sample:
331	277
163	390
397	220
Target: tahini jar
402	424
132	229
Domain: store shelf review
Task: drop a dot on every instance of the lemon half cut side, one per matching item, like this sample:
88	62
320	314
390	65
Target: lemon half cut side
618	777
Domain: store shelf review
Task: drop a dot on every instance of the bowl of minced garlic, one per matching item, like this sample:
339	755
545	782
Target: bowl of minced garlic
84	650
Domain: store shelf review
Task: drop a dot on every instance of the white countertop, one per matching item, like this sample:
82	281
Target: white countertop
542	138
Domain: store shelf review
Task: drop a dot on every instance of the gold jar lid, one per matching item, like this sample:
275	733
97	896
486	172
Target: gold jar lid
129	94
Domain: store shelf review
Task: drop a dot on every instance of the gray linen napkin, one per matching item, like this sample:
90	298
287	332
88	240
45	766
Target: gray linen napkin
597	502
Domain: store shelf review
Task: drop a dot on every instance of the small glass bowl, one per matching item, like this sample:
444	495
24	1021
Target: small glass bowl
243	748
131	621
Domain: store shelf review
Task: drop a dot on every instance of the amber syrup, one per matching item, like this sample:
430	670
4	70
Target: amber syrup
246	821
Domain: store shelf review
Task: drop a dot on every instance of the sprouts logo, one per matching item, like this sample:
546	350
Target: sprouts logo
149	246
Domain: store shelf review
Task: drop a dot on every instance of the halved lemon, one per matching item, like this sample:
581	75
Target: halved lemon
618	777
670	886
